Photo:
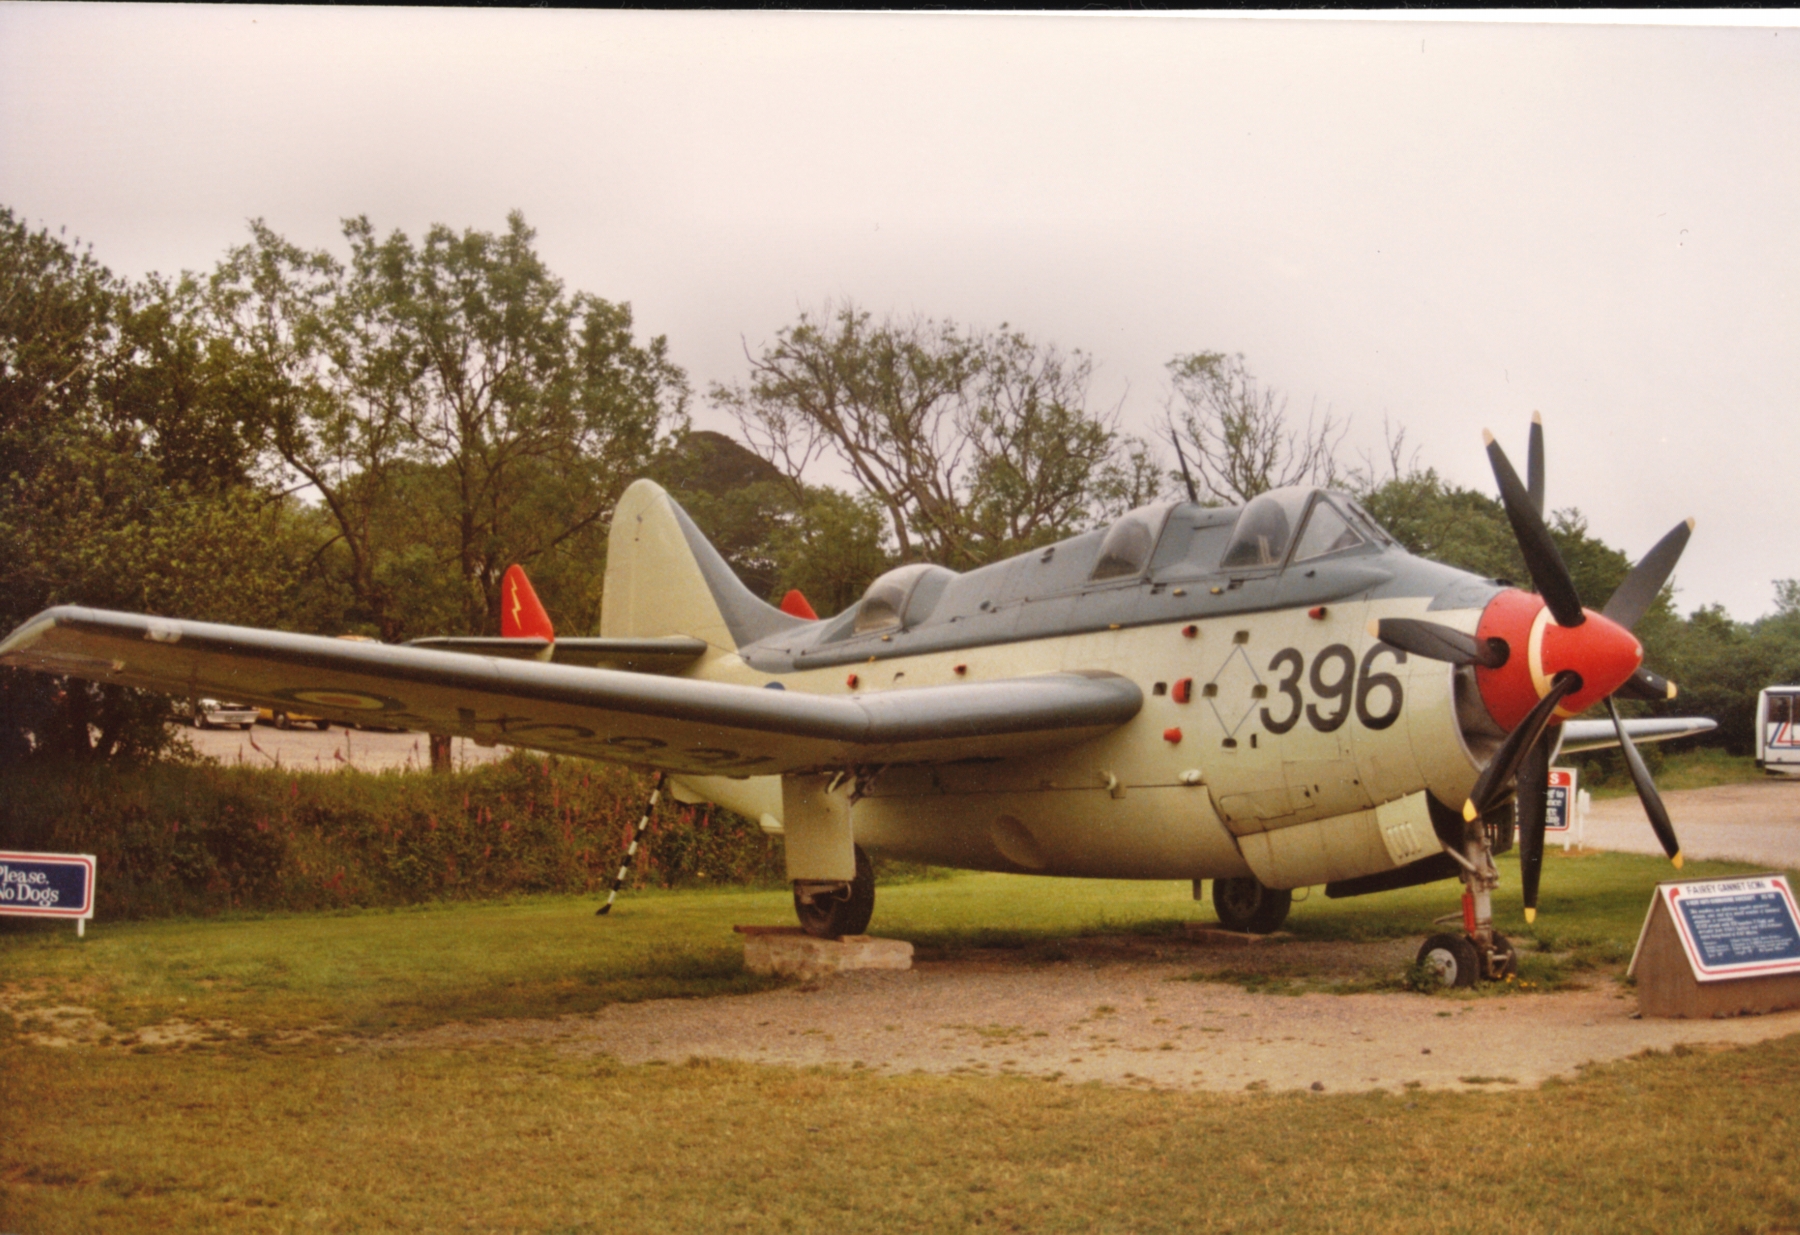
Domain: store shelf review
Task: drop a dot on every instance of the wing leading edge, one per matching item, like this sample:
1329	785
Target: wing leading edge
683	725
1579	735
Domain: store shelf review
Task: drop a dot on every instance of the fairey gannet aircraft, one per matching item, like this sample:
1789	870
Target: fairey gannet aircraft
1271	697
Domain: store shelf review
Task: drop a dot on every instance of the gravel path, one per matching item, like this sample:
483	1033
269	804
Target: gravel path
1133	1021
1755	822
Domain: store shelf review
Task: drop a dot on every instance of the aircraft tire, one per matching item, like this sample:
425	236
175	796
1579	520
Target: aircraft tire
324	726
1454	959
200	720
1245	905
282	721
836	917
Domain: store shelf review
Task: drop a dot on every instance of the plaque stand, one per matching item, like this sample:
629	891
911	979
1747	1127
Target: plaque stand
1669	986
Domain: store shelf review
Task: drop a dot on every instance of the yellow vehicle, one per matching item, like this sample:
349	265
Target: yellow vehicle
287	720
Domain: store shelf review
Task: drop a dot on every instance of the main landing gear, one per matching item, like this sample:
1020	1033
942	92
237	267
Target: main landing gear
1243	904
833	910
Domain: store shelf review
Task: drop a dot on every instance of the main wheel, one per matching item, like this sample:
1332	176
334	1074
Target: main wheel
1453	958
282	721
200	721
324	725
829	916
1245	905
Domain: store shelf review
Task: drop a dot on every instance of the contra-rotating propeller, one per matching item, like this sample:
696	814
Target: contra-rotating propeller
1539	662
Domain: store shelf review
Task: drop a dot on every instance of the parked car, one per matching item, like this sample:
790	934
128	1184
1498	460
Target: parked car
207	713
287	720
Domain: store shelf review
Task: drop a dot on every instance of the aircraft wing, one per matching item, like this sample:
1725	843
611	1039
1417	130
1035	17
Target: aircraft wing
681	724
1579	735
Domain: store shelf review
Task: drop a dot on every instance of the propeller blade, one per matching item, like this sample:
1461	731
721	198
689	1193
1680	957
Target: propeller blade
1504	766
1646	789
1648	686
1534	464
1641	586
1541	558
1437	642
1534	795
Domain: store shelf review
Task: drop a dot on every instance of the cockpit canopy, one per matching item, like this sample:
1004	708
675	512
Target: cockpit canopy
1268	524
903	597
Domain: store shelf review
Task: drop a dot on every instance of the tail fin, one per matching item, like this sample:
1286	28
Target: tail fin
663	578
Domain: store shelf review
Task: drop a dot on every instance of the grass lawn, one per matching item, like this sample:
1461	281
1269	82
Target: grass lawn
338	1132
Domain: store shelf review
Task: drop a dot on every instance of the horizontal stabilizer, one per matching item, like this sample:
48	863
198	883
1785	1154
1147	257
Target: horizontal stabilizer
676	723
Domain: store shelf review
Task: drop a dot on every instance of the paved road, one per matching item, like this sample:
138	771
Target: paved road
337	748
1754	822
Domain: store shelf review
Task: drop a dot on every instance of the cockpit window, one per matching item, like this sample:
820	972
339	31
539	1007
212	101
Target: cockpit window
1368	521
1126	550
1327	531
1265	528
905	594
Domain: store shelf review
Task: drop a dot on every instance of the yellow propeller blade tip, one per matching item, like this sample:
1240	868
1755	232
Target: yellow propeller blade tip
1374	628
1487	439
1537	418
1531	915
1470	814
1677	861
1672	691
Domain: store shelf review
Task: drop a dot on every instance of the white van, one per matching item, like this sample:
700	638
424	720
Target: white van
1778	729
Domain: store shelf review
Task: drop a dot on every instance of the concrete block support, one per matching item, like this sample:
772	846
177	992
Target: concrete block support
791	952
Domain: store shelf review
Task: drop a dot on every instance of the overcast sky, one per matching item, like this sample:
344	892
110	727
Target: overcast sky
1447	224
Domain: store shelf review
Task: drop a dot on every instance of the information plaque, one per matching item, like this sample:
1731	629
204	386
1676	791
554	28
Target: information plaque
48	885
1719	947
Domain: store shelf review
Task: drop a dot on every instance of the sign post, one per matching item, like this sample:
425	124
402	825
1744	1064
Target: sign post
48	885
1719	947
1561	807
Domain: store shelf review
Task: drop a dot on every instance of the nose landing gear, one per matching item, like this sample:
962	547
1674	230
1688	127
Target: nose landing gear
1479	953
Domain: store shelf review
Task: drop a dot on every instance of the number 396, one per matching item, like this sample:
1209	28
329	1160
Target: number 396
1339	685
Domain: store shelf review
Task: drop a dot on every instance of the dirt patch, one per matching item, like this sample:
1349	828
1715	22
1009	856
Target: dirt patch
42	1022
1127	1012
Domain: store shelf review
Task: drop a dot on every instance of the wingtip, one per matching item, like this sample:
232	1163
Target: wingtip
1530	914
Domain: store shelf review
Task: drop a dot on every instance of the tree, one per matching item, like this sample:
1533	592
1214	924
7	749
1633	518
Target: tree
1238	435
115	490
973	445
453	406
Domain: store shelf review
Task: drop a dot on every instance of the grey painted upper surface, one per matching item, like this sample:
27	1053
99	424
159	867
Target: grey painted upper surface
1053	591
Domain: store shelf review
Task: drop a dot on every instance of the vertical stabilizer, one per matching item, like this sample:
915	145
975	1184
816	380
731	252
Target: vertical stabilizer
664	578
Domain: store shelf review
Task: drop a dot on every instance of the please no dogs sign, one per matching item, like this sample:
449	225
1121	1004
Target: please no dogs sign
48	885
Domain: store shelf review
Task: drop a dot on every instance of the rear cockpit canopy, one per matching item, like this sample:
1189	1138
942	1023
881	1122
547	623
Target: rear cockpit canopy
902	598
1126	550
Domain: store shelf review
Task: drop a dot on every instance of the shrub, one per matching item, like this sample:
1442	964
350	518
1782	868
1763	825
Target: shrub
195	839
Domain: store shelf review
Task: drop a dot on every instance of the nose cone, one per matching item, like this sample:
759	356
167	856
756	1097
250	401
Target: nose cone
1603	653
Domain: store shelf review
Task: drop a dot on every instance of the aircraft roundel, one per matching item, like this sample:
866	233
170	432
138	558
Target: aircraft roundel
342	700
